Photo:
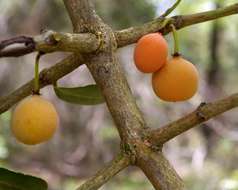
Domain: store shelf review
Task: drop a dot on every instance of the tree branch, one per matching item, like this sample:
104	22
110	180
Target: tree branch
158	170
52	41
27	46
170	10
48	42
109	76
132	34
47	76
101	177
203	113
82	15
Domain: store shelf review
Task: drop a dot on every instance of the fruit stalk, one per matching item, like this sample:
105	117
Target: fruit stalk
36	79
176	40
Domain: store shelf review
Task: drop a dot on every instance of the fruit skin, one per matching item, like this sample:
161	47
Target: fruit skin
34	120
150	53
176	81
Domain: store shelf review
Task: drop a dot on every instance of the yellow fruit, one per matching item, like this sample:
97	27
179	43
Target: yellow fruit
176	81
34	120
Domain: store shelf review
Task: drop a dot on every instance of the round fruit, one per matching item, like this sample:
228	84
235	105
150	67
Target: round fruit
176	81
150	53
34	120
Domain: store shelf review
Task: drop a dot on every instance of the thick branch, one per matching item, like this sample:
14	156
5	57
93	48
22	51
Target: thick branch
109	76
102	176
52	41
203	113
47	76
48	42
158	170
131	35
82	15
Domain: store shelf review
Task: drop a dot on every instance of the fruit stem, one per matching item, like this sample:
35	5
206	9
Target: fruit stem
36	79
165	22
176	40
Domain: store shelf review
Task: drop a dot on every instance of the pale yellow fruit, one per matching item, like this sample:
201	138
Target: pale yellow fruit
34	120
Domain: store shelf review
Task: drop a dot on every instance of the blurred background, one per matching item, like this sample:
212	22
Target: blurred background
205	157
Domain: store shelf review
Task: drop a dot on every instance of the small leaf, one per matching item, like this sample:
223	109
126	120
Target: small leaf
16	181
86	95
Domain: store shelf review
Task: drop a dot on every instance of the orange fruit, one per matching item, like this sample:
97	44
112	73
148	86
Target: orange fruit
34	120
150	53
176	81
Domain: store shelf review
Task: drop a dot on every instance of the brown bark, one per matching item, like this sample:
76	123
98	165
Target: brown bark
140	145
203	113
108	74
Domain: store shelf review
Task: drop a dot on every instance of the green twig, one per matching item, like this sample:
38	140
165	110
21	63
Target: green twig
176	40
36	79
168	11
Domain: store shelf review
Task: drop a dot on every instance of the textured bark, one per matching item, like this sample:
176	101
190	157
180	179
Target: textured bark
157	168
140	145
52	41
101	177
48	42
203	113
108	74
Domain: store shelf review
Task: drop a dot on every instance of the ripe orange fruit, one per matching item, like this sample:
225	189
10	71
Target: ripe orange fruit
150	53
176	81
34	120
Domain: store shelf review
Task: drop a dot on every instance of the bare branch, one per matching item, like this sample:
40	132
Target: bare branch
82	15
158	169
101	177
129	121
48	42
25	45
170	10
203	113
52	41
47	76
131	35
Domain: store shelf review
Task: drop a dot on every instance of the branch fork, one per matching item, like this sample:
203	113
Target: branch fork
140	146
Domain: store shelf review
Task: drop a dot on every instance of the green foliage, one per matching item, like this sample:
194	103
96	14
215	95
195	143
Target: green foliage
16	181
87	95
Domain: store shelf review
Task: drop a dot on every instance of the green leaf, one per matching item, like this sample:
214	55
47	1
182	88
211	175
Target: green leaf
16	181
86	95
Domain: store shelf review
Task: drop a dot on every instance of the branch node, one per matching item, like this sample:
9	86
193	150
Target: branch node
99	36
199	112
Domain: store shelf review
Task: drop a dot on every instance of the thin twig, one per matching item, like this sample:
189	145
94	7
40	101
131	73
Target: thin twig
131	35
24	46
170	10
101	177
203	113
19	40
47	76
